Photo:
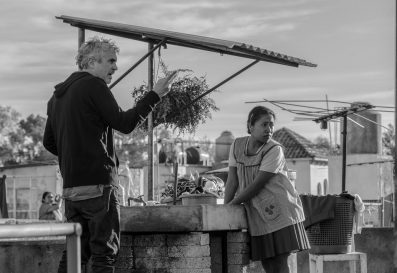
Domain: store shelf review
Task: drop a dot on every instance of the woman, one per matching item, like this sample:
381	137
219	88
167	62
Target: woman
50	207
258	174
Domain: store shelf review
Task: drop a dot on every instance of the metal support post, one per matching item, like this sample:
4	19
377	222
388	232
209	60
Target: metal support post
344	133
150	128
73	250
81	37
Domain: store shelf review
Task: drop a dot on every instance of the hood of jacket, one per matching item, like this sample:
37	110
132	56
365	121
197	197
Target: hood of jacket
62	88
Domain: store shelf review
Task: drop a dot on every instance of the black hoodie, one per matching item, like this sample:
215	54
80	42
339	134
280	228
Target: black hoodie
81	115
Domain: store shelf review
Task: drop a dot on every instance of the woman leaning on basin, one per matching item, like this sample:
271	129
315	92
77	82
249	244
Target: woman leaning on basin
258	179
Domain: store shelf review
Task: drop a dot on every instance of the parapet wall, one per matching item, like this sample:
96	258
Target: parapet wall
190	252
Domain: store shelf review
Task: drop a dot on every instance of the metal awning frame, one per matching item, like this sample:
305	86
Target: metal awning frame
147	35
155	42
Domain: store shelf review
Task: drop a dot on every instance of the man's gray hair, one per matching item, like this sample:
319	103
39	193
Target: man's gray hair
93	49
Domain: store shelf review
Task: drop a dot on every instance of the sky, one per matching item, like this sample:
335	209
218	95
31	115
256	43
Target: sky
352	42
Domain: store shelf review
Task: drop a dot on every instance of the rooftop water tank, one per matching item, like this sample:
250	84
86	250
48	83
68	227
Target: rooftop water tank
367	140
222	146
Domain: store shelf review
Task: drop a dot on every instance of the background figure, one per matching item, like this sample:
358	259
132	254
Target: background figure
258	174
125	183
50	207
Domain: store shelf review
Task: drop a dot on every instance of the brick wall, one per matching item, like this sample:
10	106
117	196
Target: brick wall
165	253
237	251
196	252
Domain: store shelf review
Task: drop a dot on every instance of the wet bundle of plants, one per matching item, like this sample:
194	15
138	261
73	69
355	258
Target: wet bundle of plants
179	109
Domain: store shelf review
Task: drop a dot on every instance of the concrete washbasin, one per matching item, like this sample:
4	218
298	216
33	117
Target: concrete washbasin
180	218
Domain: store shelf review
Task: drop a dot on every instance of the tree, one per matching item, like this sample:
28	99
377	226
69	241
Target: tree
10	134
33	127
21	139
322	142
388	141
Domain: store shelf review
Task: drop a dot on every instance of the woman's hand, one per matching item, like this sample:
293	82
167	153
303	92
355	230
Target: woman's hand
249	192
231	185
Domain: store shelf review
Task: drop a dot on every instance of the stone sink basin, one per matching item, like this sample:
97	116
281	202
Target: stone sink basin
182	218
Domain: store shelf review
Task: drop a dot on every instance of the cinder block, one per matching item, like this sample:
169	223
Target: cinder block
192	270
149	240
237	237
216	243
126	240
237	248
216	258
242	259
125	251
152	263
150	252
124	270
216	253
256	267
234	268
124	262
184	263
216	268
159	270
188	239
189	251
154	270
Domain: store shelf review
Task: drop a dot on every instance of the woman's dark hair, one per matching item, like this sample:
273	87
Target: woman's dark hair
256	113
44	196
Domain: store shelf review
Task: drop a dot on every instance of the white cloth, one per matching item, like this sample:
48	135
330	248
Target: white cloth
359	208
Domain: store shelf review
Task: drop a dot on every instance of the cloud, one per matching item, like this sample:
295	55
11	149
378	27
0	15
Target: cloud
37	50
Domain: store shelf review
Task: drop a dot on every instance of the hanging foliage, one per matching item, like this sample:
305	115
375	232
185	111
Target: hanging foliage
176	109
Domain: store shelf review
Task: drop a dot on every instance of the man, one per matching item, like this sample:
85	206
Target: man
82	114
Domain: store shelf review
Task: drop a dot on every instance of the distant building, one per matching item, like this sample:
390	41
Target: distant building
368	173
309	162
25	185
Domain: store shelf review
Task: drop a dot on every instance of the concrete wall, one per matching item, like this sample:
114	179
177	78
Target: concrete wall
370	181
30	256
308	174
37	257
379	245
370	136
302	168
319	176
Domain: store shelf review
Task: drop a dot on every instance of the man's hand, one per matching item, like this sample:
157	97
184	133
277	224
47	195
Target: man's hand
162	85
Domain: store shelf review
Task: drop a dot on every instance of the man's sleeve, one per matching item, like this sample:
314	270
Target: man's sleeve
115	117
49	138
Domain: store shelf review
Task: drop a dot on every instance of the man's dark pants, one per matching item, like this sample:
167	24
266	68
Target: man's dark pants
100	240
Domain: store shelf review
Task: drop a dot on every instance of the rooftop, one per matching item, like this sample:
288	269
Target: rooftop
296	146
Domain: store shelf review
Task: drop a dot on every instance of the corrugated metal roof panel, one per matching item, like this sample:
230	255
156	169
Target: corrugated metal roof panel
186	40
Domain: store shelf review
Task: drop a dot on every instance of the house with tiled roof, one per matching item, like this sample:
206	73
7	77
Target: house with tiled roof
309	162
